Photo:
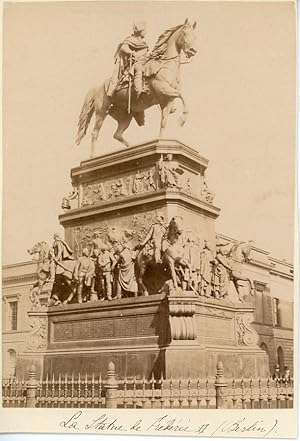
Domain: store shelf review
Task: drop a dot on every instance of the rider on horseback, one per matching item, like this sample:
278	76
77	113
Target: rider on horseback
129	59
155	234
61	249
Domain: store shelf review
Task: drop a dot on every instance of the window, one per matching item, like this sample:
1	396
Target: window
280	359
264	347
11	363
13	316
276	312
259	312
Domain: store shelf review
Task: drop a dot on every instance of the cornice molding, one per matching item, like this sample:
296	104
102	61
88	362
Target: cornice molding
166	196
138	152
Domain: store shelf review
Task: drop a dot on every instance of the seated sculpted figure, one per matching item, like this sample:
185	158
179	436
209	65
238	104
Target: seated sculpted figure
61	249
131	53
170	172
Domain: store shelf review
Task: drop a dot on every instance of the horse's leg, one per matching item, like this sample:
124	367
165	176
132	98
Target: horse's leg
244	279
141	285
237	287
163	87
165	112
123	123
141	268
101	105
71	295
170	262
100	117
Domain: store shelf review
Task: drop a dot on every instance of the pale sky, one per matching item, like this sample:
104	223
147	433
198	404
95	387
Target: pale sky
240	88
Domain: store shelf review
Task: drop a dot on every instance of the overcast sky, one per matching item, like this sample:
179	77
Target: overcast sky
241	93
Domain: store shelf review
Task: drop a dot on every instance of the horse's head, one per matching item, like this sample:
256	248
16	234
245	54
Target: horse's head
174	40
241	250
186	39
246	250
41	249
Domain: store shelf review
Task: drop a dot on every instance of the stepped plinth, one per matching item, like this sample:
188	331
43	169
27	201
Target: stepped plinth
174	336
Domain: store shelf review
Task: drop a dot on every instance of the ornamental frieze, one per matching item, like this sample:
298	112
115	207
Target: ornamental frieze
145	181
166	174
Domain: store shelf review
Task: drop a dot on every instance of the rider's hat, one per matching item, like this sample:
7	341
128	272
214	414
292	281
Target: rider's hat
139	26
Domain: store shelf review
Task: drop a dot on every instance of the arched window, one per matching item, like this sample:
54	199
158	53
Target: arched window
264	347
11	363
280	359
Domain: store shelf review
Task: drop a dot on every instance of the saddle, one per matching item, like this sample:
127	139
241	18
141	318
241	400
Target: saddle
150	68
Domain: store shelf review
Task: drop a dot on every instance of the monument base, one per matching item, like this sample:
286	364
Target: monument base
174	336
196	362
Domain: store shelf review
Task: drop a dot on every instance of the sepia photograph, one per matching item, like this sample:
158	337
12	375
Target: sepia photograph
148	217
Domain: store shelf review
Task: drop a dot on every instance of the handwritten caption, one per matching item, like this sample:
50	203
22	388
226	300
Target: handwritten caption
167	424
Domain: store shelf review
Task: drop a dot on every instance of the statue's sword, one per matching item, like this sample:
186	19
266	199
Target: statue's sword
129	85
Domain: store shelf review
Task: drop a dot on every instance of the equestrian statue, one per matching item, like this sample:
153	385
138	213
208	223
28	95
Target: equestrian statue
155	77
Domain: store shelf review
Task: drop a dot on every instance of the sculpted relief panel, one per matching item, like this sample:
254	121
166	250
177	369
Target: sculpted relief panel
144	181
166	174
139	255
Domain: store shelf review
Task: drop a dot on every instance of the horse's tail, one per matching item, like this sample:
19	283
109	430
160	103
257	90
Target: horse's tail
85	115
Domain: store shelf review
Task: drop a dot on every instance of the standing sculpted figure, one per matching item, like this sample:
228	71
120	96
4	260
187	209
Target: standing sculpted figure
138	183
222	269
129	58
170	172
105	264
97	242
125	276
156	234
149	181
84	273
206	261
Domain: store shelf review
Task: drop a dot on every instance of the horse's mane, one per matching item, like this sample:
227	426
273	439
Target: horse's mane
161	44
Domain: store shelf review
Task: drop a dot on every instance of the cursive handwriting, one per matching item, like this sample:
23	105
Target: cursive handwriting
242	426
168	424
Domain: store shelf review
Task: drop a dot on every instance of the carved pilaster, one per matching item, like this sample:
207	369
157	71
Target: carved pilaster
37	337
246	334
181	317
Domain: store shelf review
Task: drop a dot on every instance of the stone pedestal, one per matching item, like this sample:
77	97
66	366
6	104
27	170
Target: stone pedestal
172	333
180	336
124	190
36	342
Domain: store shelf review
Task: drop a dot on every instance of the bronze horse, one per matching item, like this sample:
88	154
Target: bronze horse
58	274
239	254
173	261
162	70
